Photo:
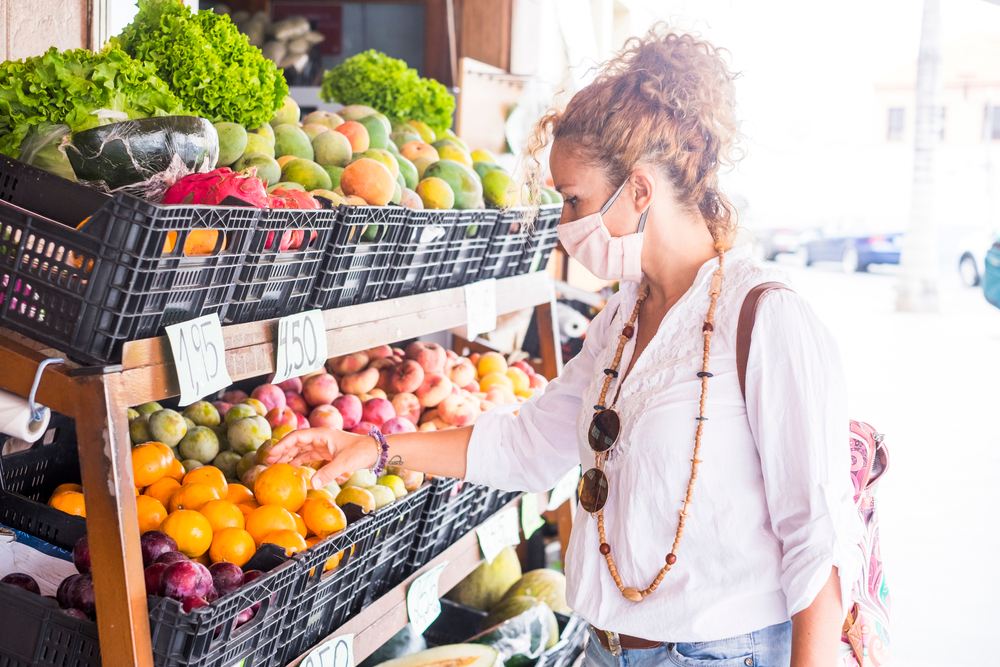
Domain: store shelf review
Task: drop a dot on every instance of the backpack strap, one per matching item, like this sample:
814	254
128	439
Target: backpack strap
744	331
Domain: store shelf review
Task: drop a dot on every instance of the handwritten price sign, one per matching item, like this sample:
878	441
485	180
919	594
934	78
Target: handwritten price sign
564	490
301	345
499	531
531	520
480	307
423	603
336	652
199	357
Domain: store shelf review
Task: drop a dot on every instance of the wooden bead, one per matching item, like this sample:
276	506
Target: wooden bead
671	559
632	594
605	549
628	331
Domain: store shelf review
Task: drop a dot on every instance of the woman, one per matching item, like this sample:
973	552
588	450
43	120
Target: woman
713	531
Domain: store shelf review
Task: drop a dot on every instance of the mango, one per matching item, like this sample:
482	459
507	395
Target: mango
291	140
285	185
423	129
449	134
356	112
267	168
258	143
332	148
334	173
411	199
464	182
401	138
452	152
421	163
553	194
495	186
328	118
482	168
266	132
370	180
391	147
409	172
383	156
397	194
288	113
378	135
313	130
308	173
436	193
328	194
482	155
232	143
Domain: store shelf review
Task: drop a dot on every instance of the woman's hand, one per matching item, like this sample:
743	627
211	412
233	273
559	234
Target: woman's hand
345	452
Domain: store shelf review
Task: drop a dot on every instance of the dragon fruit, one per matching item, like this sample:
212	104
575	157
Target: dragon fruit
281	198
215	187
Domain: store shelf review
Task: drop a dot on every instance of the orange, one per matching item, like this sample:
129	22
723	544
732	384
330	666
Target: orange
70	502
282	485
300	525
306	472
289	539
323	517
162	489
204	559
138	491
232	545
496	380
267	519
151	513
331	562
63	488
192	497
318	493
222	514
190	530
210	476
238	494
176	470
149	464
162	447
491	362
246	510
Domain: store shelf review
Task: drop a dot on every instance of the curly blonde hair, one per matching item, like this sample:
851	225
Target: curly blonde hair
666	99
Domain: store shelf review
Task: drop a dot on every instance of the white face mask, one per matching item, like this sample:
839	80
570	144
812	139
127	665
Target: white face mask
589	242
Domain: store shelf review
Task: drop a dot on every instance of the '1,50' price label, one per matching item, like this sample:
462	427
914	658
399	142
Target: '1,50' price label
199	357
301	345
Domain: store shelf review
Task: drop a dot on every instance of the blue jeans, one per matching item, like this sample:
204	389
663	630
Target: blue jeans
770	647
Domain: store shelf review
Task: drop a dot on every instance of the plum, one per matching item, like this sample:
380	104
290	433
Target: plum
226	577
62	593
81	555
171	557
182	579
190	602
154	544
212	595
76	613
244	617
205	583
154	578
21	580
82	595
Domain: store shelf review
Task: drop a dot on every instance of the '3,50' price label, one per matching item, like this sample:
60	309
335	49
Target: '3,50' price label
301	345
199	357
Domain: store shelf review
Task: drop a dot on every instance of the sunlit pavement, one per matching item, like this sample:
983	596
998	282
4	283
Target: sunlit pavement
931	383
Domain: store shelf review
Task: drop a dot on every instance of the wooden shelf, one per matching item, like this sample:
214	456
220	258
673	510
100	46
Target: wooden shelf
148	369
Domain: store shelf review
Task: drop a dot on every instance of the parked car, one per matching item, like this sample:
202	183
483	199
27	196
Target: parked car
972	257
855	253
769	243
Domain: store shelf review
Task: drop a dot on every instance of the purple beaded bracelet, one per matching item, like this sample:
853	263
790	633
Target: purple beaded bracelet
384	446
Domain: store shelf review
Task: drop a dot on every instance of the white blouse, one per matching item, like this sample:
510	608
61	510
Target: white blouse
773	502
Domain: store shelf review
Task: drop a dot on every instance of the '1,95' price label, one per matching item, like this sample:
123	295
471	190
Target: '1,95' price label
336	652
199	357
499	531
301	345
423	605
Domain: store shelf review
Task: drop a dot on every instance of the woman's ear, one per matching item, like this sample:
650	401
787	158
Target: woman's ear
643	188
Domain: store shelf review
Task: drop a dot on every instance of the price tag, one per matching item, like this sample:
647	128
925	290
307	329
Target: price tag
481	307
564	489
531	520
301	345
422	599
199	357
499	531
336	652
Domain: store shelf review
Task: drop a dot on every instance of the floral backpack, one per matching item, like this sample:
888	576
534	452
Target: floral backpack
865	637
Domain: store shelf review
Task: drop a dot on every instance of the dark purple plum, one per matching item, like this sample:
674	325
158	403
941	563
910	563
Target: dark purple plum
75	612
247	578
155	544
171	557
212	595
81	555
63	592
192	602
21	580
227	577
181	580
244	617
154	578
82	595
205	583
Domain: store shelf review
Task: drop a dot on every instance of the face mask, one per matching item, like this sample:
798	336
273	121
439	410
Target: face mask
589	242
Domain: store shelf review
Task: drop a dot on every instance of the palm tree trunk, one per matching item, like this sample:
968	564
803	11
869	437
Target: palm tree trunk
918	278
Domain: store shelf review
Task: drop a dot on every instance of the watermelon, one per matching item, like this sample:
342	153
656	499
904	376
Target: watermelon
485	587
451	655
519	605
548	586
133	151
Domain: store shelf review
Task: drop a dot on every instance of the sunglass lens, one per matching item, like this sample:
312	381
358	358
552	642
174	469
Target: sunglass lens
604	430
593	490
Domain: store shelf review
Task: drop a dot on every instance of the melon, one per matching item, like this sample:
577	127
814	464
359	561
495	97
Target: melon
405	642
451	655
548	586
486	586
538	623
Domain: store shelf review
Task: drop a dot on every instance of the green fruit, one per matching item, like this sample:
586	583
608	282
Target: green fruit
395	483
191	464
239	411
404	137
133	414
426	133
495	186
267	167
378	135
332	148
391	147
334	173
383	156
149	408
436	193
369	235
513	607
327	118
247	435
314	130
383	496
138	430
189	423
257	143
400	180
361	478
463	180
265	131
232	143
441	143
285	185
308	173
291	140
544	198
397	194
246	462
483	168
405	642
167	426
356	112
485	587
548	586
202	413
222	435
200	443
409	172
449	134
553	194
227	462
288	113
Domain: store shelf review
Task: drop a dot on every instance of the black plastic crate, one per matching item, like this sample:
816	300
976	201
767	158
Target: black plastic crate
36	633
468	242
46	194
542	240
375	560
357	264
274	283
87	291
506	250
30	476
445	519
418	264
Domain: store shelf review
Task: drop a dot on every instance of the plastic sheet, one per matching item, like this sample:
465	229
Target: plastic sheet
520	640
45	148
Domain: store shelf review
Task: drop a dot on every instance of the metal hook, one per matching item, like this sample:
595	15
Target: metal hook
37	413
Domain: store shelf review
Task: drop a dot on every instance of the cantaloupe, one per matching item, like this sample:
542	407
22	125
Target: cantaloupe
485	587
548	586
451	655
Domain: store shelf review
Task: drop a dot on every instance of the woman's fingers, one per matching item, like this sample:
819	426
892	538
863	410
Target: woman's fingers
290	447
326	474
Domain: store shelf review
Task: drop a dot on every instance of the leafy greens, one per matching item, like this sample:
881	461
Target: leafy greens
389	86
207	62
77	88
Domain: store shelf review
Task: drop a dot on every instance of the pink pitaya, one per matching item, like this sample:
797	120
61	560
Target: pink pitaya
281	198
214	187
